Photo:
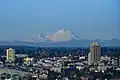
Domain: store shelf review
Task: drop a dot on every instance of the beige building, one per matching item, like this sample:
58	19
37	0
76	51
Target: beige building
95	53
10	54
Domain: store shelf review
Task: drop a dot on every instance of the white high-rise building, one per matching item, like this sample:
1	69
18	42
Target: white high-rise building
89	57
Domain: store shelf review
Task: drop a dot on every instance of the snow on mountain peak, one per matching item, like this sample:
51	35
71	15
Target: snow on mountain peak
60	36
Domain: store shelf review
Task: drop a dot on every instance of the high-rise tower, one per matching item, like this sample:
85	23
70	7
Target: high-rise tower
10	53
95	53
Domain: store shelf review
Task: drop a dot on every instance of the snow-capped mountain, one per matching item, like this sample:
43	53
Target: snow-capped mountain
61	35
40	38
75	37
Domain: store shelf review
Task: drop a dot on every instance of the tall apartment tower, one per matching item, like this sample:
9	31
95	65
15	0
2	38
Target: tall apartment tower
10	54
95	53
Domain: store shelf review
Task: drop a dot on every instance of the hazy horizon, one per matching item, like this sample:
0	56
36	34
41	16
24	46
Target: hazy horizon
96	19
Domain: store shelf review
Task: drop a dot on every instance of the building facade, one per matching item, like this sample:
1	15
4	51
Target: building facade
10	54
95	53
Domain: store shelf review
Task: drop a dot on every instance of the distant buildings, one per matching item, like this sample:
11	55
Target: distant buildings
28	61
10	54
89	57
95	53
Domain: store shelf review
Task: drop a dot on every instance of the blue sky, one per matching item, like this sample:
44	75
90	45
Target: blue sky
88	19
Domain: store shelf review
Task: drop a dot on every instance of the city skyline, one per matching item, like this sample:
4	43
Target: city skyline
21	20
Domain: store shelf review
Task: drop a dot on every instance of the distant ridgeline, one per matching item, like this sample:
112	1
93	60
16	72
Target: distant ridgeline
71	43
